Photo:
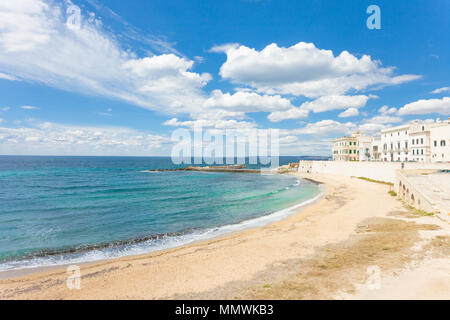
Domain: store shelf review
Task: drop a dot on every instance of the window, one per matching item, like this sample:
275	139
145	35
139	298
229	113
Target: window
423	128
435	143
412	141
398	144
421	151
413	152
421	140
417	141
442	143
406	144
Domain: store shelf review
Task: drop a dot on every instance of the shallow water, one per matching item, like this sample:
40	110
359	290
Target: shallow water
58	210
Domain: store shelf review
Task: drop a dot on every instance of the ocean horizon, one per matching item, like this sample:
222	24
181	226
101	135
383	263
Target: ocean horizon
72	209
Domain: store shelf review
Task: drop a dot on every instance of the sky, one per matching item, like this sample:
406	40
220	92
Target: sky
85	77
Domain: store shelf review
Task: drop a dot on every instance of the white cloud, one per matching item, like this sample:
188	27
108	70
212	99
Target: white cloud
440	106
57	139
350	112
293	113
441	90
246	102
334	102
4	109
29	107
324	127
1	120
7	77
211	123
385	110
37	45
303	69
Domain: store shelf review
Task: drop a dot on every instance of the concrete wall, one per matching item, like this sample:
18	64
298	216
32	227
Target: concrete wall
384	171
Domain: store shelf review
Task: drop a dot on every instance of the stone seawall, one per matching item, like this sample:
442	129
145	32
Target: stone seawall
384	171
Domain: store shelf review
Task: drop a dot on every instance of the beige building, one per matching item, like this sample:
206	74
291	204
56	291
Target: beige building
346	148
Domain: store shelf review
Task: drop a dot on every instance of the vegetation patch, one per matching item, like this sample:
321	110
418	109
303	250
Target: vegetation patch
376	181
419	212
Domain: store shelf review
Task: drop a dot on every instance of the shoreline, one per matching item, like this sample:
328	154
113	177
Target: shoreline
216	232
257	263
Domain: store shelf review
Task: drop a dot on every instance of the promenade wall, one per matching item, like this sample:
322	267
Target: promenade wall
384	171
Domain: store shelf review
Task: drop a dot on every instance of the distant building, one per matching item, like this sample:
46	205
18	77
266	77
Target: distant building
417	141
420	142
346	148
440	141
395	144
365	148
376	149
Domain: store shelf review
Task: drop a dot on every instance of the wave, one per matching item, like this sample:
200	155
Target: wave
141	245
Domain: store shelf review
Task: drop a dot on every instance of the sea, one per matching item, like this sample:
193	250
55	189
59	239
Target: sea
59	210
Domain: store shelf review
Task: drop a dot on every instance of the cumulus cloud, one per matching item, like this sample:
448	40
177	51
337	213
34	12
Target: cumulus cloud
304	69
334	102
350	112
422	106
293	113
246	101
211	123
324	127
326	103
53	138
441	90
385	110
36	44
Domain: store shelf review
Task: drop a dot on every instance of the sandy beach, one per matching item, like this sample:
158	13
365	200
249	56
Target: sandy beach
322	252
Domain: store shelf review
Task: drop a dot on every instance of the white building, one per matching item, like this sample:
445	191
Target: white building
420	142
365	148
377	149
440	141
395	144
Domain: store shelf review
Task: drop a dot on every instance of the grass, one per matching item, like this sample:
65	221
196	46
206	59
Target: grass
376	181
392	193
419	212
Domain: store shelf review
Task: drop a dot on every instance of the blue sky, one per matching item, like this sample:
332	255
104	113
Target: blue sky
129	73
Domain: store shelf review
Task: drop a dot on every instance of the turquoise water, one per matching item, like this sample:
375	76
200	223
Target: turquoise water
56	210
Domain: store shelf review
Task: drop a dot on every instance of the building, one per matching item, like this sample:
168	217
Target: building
395	144
440	141
365	148
420	142
346	148
376	149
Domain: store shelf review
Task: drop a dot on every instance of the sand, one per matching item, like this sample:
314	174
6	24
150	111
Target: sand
321	252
